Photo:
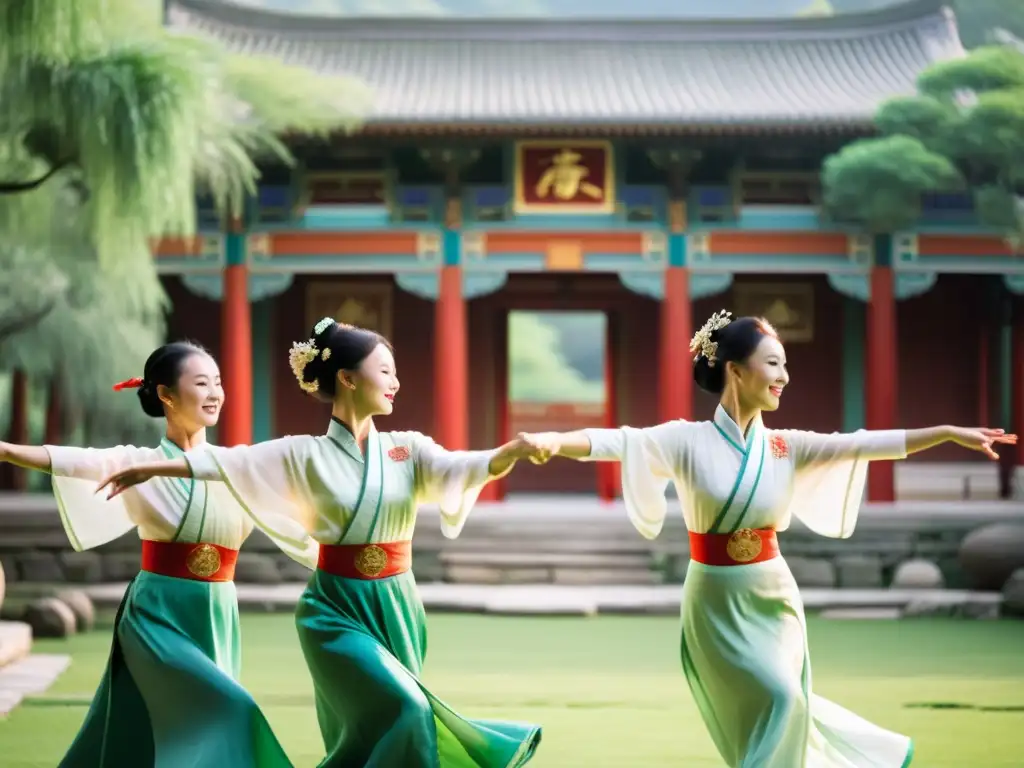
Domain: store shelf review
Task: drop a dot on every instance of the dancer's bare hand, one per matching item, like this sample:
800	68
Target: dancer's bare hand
121	481
543	445
983	439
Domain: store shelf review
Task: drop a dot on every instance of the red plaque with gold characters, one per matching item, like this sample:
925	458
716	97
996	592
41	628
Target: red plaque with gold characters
564	177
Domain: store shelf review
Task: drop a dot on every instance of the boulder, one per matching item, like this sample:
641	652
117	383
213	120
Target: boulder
82	567
121	566
50	617
81	606
812	573
917	574
859	571
255	568
39	566
989	555
1013	595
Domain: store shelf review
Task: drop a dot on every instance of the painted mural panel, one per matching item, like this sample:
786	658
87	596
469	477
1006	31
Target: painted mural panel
787	306
366	305
564	177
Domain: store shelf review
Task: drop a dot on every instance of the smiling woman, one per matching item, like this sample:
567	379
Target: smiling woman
174	665
744	636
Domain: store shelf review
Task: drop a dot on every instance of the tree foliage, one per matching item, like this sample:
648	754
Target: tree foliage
110	123
963	131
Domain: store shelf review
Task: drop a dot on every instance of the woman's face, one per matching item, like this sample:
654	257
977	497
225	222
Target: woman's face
760	380
196	401
375	383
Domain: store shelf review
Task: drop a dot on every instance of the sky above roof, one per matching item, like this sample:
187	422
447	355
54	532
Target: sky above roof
565	8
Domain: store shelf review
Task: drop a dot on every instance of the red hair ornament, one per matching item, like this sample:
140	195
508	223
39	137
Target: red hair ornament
129	384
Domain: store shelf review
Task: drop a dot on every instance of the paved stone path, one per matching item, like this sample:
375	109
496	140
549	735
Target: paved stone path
549	599
29	676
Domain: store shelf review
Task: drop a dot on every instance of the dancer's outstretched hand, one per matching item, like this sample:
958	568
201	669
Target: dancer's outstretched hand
543	445
982	439
121	481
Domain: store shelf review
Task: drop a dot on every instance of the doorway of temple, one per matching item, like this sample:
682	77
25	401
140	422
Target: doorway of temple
558	379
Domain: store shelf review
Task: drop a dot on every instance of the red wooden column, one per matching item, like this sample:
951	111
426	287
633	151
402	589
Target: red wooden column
609	474
881	358
497	490
451	346
235	426
675	388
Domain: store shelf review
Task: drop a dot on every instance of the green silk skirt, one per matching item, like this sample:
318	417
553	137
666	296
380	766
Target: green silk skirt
365	642
169	697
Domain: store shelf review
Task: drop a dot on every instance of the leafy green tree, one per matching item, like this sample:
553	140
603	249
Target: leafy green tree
538	369
963	131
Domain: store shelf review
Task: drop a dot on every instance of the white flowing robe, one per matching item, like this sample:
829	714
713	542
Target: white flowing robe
744	638
162	509
325	490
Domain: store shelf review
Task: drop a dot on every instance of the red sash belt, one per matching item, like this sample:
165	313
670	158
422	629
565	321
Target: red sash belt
742	547
366	561
198	562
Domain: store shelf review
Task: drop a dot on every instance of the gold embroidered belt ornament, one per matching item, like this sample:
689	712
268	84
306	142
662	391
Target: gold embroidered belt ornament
366	561
742	547
184	560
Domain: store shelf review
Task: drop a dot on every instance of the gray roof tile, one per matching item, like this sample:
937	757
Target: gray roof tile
821	71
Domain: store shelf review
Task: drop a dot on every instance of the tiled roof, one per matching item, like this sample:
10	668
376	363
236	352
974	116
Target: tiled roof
566	72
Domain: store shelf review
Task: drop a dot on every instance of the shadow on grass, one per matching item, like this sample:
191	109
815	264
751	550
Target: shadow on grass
961	705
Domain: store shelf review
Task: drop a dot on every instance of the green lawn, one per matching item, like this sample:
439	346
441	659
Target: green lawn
610	692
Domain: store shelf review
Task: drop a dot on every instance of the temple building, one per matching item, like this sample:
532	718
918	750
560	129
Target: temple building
655	171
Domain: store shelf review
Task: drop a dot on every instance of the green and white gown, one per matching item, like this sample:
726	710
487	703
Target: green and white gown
169	696
744	637
365	639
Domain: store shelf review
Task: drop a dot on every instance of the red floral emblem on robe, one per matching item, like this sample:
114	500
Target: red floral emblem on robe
398	453
780	449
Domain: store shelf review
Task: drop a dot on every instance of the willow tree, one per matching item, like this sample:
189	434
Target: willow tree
111	123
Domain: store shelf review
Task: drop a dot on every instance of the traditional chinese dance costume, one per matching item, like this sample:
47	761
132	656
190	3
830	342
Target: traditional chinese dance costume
169	696
744	636
360	620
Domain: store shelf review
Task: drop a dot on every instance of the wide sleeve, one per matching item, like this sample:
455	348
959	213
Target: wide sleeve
830	472
651	458
270	481
451	479
89	518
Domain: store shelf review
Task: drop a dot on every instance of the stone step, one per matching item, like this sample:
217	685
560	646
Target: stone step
29	676
15	641
562	560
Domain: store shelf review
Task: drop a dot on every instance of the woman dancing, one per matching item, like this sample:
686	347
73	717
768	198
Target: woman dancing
360	620
169	696
744	638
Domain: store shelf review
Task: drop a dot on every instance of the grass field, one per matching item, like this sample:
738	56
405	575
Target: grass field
609	691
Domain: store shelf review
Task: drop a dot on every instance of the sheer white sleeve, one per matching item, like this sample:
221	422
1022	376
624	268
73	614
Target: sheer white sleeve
830	472
270	482
89	518
651	458
451	479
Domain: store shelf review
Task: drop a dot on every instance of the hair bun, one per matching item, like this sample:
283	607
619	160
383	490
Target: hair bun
710	378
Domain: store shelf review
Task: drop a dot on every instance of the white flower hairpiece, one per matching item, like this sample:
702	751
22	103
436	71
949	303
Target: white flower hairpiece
300	355
323	325
701	343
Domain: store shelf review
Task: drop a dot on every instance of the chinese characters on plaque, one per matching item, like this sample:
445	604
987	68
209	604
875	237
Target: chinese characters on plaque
568	177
